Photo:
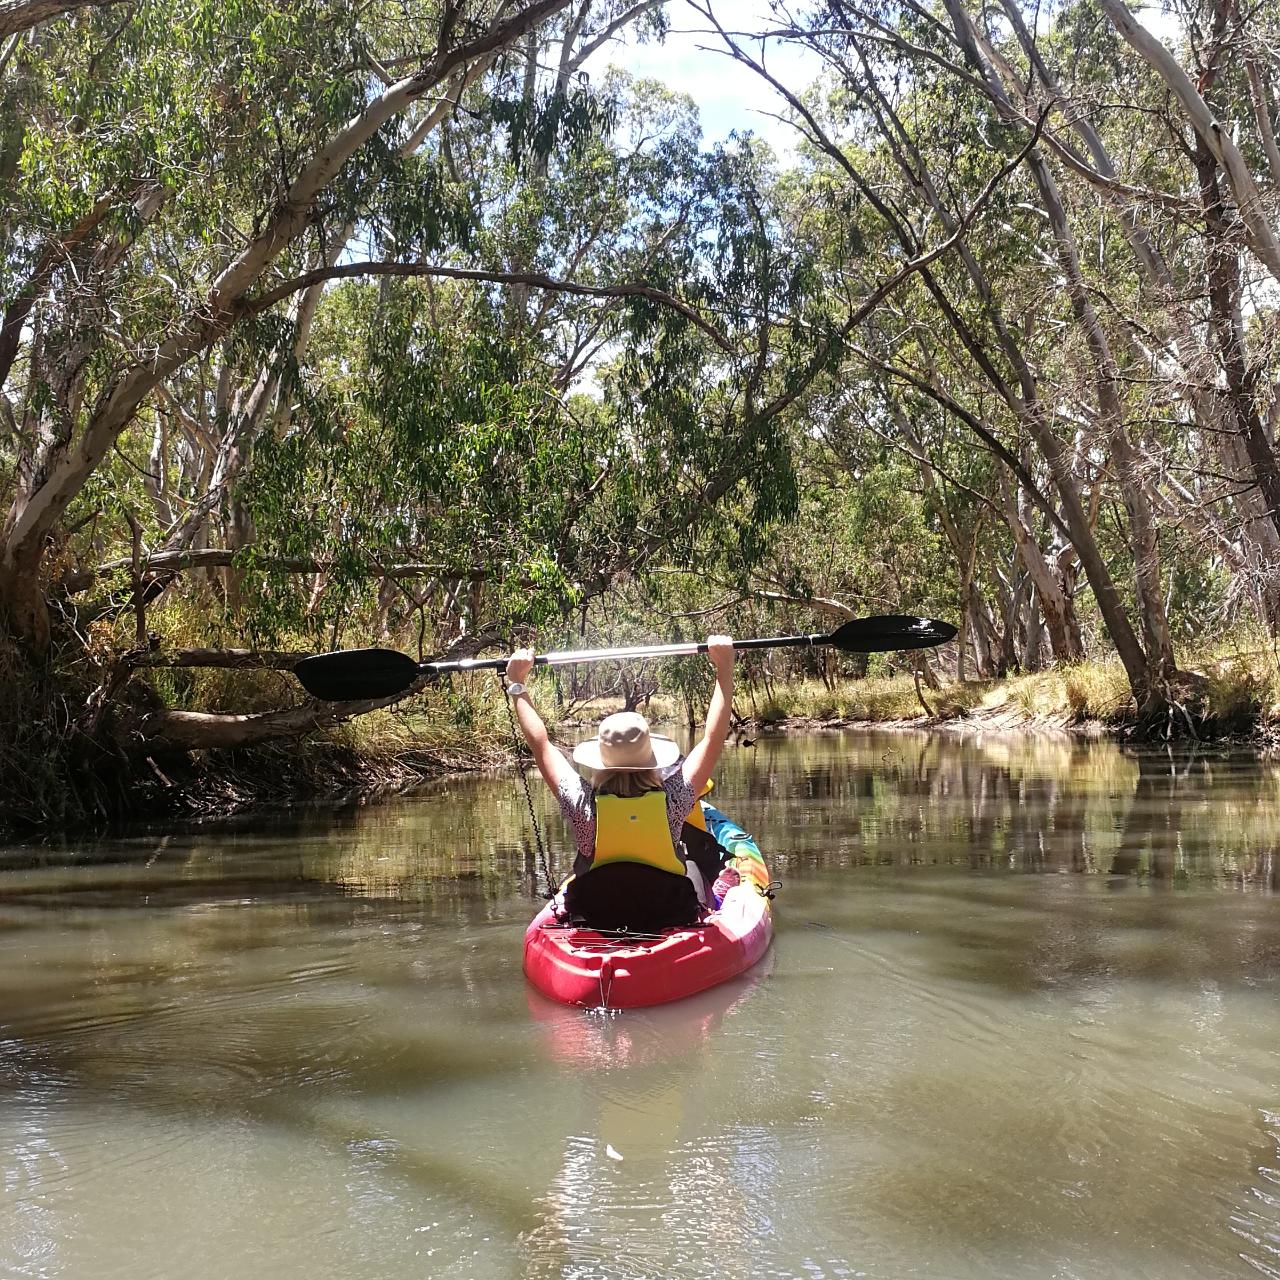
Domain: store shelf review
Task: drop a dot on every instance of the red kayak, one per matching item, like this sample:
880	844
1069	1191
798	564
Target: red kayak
581	966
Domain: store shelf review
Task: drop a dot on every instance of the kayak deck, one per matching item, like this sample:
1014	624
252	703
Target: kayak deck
582	966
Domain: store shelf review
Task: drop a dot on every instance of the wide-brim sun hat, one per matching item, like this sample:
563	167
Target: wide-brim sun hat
623	741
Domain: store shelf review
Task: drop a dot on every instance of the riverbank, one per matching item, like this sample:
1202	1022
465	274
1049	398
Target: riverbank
1237	696
89	787
380	754
464	728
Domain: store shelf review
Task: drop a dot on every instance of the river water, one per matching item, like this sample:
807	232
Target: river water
1020	1019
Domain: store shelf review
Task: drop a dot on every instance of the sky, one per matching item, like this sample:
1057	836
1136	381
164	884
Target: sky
730	96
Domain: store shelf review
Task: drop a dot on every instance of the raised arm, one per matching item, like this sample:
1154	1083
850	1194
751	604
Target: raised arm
700	763
552	763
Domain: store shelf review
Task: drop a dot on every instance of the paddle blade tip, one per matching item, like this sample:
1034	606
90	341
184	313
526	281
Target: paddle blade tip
356	675
893	631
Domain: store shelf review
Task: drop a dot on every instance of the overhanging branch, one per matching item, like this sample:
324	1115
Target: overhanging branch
529	279
200	730
22	15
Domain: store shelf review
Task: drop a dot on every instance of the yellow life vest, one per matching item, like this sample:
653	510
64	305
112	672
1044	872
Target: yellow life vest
697	818
635	830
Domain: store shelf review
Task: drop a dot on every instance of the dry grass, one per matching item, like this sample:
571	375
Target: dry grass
1097	691
1239	691
876	698
393	735
1235	686
1090	691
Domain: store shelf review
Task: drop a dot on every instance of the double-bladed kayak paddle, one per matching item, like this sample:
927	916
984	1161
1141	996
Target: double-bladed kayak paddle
349	675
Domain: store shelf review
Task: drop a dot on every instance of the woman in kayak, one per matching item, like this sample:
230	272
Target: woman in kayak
629	871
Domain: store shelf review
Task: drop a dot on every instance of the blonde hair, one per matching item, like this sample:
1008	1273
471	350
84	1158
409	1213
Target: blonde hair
626	783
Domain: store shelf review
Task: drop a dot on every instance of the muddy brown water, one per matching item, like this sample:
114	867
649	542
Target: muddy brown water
1020	1019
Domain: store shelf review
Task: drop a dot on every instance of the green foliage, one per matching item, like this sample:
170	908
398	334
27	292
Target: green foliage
537	444
553	120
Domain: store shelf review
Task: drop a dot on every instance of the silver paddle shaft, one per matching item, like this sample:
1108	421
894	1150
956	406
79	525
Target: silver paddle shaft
567	657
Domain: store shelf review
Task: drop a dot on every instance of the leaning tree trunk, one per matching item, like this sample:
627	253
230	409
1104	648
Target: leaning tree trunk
1026	403
1222	271
1055	606
1161	667
1149	671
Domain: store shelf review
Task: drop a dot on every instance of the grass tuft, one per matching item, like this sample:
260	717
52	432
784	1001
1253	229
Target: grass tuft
1238	693
1090	691
1097	691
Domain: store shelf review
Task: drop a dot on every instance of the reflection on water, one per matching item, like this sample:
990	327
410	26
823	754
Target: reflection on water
1020	1020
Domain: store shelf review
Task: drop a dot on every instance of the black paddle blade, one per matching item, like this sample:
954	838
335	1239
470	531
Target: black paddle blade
352	675
890	631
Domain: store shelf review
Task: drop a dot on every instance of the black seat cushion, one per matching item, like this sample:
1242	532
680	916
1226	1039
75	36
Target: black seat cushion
632	896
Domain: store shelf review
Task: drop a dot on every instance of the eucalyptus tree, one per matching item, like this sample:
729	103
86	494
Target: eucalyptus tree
883	172
354	317
165	173
1075	297
1162	268
180	184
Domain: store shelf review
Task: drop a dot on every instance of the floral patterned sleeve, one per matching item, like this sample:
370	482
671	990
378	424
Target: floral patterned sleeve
577	804
680	802
575	797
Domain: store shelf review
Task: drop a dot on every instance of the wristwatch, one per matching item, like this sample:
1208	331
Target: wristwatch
516	689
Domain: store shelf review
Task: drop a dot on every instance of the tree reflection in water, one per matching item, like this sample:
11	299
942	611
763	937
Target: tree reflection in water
1021	803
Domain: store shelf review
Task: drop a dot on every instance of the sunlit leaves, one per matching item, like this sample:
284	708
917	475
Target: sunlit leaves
553	120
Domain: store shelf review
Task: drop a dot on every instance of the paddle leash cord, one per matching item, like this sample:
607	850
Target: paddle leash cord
528	798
